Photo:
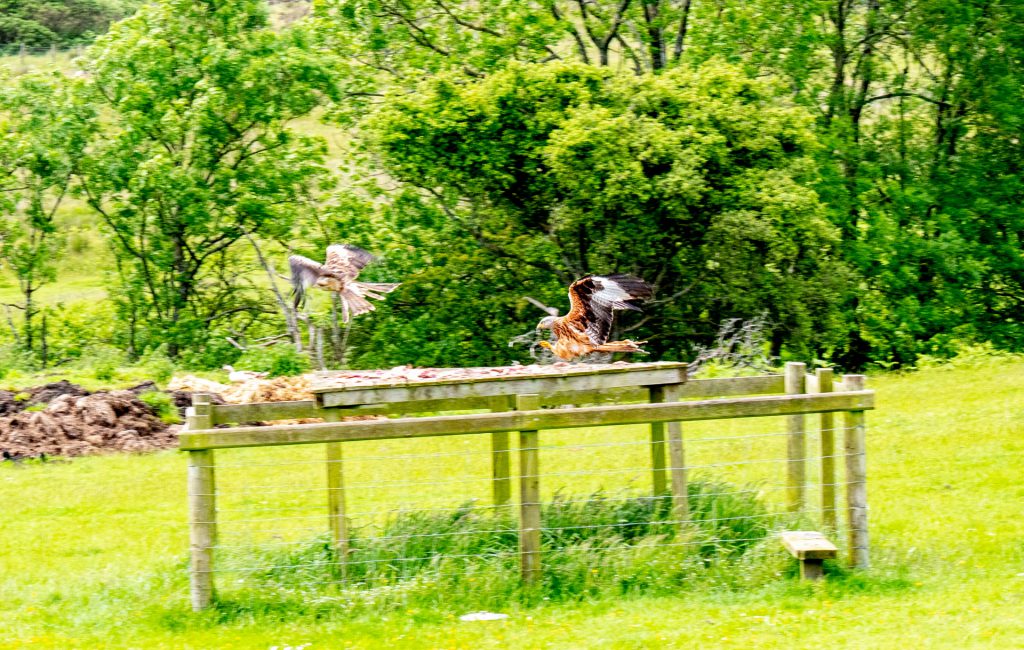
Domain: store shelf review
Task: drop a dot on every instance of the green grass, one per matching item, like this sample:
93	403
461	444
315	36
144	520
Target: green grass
93	551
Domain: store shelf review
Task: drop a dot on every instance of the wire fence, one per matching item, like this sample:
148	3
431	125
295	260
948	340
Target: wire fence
420	515
16	49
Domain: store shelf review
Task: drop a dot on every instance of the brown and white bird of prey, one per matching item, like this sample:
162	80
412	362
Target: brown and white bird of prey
338	274
586	327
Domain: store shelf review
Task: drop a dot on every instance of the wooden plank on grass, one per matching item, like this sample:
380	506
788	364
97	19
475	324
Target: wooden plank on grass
743	407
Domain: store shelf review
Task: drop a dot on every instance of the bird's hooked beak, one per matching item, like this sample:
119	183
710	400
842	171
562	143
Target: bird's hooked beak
546	323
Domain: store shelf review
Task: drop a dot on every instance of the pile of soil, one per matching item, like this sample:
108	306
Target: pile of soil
77	423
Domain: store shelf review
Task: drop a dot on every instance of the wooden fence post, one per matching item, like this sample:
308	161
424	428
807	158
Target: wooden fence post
856	479
658	482
796	444
828	454
501	465
529	496
677	464
336	495
202	508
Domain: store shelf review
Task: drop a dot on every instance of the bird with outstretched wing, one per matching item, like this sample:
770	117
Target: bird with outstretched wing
593	302
338	273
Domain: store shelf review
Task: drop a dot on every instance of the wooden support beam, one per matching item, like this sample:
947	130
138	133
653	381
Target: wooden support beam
856	478
677	465
811	548
501	464
698	388
202	507
618	414
529	496
824	377
337	518
796	443
659	484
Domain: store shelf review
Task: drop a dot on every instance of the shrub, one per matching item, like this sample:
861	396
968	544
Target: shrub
162	404
278	360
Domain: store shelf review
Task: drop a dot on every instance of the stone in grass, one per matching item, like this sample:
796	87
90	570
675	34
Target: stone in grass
483	616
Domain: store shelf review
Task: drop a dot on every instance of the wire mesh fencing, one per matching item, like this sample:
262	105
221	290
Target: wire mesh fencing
425	518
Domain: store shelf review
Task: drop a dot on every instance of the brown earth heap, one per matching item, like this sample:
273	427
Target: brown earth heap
75	425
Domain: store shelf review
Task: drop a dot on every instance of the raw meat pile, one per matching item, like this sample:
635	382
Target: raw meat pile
276	389
409	374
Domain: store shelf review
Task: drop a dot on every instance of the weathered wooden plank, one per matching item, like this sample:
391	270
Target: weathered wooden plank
327	385
264	411
501	462
808	545
824	377
677	464
856	478
576	381
202	526
618	414
529	495
659	484
796	445
269	411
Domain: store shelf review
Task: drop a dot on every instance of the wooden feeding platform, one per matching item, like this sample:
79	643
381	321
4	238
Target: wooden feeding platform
528	400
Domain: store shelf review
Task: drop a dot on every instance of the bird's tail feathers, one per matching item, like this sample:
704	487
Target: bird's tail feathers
622	346
353	304
376	290
354	297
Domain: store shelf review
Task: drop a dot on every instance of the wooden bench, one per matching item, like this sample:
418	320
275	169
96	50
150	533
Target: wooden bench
811	548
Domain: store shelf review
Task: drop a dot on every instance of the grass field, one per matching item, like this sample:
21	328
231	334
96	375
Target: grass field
93	551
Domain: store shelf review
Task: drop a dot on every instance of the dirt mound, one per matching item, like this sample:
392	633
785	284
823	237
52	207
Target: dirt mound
78	425
48	392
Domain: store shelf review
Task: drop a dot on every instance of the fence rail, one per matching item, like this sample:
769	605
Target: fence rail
653	394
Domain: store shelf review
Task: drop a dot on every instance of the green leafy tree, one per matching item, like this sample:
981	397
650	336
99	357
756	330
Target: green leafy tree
694	180
46	125
198	98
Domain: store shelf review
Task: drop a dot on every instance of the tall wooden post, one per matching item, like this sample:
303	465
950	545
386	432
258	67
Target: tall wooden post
501	465
677	464
796	444
658	482
856	478
202	508
337	520
529	496
828	455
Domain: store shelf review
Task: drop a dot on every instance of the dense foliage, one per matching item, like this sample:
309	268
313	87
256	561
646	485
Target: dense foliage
56	22
851	169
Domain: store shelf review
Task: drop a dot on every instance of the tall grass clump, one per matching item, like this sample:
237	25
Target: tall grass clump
599	545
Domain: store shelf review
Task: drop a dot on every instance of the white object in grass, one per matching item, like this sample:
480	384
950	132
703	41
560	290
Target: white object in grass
483	616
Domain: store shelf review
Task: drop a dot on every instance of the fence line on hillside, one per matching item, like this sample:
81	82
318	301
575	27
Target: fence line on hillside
287	506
